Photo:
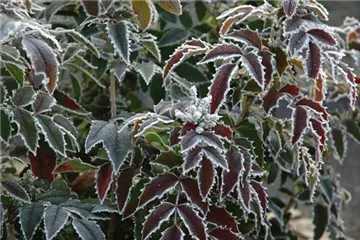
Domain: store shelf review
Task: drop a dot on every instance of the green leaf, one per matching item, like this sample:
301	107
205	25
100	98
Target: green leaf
320	220
152	47
54	7
200	10
43	102
171	6
186	20
53	135
146	70
15	71
119	37
65	124
55	218
87	230
55	197
117	143
339	141
5	126
30	218
15	190
83	40
155	140
353	129
73	165
87	74
28	131
173	36
191	73
76	87
119	69
23	96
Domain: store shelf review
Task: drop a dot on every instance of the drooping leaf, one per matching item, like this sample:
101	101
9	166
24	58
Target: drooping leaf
103	181
223	234
247	36
192	221
23	96
43	61
53	135
206	177
216	157
261	194
320	220
173	233
55	218
117	144
15	190
43	102
158	215
231	178
222	51
267	62
252	63
317	107
322	37
157	187
313	60
300	117
222	218
43	163
119	36
191	189
73	165
144	12
87	230
298	42
319	130
171	6
123	185
30	218
28	131
290	7
220	85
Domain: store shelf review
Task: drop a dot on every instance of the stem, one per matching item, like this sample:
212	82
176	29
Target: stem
112	91
245	110
112	222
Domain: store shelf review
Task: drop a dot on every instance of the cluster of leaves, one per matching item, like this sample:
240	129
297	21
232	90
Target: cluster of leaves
186	157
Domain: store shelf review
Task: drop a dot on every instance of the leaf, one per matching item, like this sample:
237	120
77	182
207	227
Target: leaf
320	220
313	60
30	218
252	63
103	181
66	102
216	157
223	234
15	71
173	233
220	85
65	124
270	100
340	143
192	221
119	37
206	177
298	42
119	69
15	190
247	36
172	36
5	126
296	22
91	7
73	165
87	230
231	178
290	7
146	70
43	61
55	197
244	194
158	215
322	37
290	89
23	96
267	62
43	163
157	187
152	47
28	131
193	138
123	185
317	107
171	6
193	158
320	131
2	221
144	12
117	144
222	51
55	218
52	133
353	129
261	194
300	119
43	102
222	218
191	189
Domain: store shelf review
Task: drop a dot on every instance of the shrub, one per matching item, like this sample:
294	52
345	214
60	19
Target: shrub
161	119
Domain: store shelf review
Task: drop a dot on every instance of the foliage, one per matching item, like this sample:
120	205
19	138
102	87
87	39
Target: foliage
161	119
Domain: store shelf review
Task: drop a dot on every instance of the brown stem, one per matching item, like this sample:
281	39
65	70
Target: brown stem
112	91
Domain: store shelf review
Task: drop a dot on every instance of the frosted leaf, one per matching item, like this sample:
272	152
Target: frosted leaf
192	221
206	177
256	70
30	218
119	36
298	42
15	190
313	60
55	218
87	230
300	118
43	102
173	233
222	51
247	36
171	6
146	70
290	7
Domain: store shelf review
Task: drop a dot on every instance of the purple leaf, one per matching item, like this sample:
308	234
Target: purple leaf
190	140
157	187
220	85
216	157
266	61
103	181
296	22
211	139
247	36
206	177
124	183
300	118
252	63
222	51
193	158
270	100
173	233
261	194
157	216
313	105
297	42
43	163
223	234
192	221
290	89
191	189
244	190
313	60
320	131
290	7
231	178
322	37
222	218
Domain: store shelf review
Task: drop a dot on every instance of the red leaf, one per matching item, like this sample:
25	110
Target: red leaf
43	164
262	195
290	89
297	42
231	178
187	127
300	118
157	216
220	85
193	158
314	105
174	136
192	221
223	234
290	7
222	51
246	36
296	21
244	195
320	131
255	69
222	218
318	90
174	60
216	157
266	61
103	180
157	187
313	60
123	185
321	36
65	101
195	43
270	99
91	7
223	131
191	189
173	233
206	177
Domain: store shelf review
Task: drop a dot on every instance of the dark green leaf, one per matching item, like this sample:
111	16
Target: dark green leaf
43	102
76	87
320	220
30	218
23	96
5	126
191	73
186	20
55	218
353	129
87	230
119	36
28	131
200	10
15	190
152	47
16	72
173	36
83	40
65	124
55	197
